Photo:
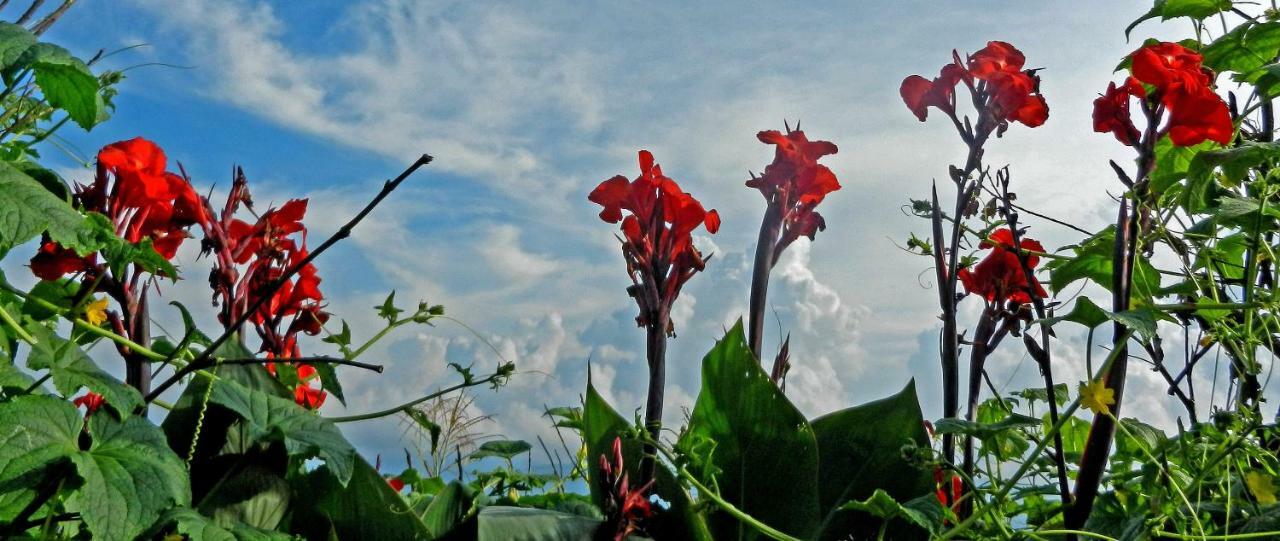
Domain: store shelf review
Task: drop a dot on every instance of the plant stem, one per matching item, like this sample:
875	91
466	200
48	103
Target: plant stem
17	329
656	334
205	358
321	359
769	227
412	403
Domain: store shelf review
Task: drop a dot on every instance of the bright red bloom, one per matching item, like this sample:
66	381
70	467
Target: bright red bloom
139	168
1182	85
995	59
53	261
1015	97
624	506
396	484
795	183
91	401
1196	116
309	397
1165	65
657	233
999	276
1111	111
920	94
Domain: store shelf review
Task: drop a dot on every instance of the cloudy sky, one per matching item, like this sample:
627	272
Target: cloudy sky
527	106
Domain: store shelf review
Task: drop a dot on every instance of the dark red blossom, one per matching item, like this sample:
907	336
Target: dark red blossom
1111	111
794	184
1000	276
91	401
1002	89
53	261
1180	85
657	232
624	506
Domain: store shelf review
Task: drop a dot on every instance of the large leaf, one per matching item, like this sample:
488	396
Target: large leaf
449	510
66	82
303	431
1169	9
1084	312
600	425
504	449
14	40
35	431
251	494
764	449
500	523
860	455
367	508
1244	49
197	527
1173	162
73	369
1093	261
130	478
923	511
28	209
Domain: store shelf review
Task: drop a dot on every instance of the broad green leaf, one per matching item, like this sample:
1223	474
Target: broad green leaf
1038	394
1210	314
366	508
764	447
1244	49
501	523
251	494
1235	162
1169	9
27	209
130	478
504	449
1267	80
860	454
197	527
72	369
14	40
66	82
983	430
329	380
1093	261
59	293
1084	312
1173	162
923	511
449	509
35	432
1234	207
1074	432
303	431
1141	320
1137	436
600	425
1225	257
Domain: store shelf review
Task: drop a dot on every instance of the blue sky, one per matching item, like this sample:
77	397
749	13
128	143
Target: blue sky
527	106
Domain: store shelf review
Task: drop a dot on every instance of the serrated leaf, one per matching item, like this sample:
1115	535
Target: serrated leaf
65	81
1084	312
1174	162
27	209
197	527
72	369
924	511
303	431
1093	261
387	310
1244	49
35	432
130	478
1235	162
1141	320
14	40
1169	9
983	430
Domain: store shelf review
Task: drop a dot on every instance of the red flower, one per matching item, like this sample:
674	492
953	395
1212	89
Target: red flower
396	484
1196	116
624	506
657	233
1182	85
795	183
139	168
996	58
53	261
920	94
999	276
1111	111
308	397
1015	97
91	402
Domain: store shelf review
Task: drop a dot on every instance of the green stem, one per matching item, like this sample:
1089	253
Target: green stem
1222	537
381	334
1081	533
22	333
726	506
412	403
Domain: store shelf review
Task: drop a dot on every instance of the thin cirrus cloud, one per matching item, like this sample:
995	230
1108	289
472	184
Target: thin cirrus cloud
528	106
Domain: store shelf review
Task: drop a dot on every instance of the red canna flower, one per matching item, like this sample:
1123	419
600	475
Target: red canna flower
1004	92
53	261
999	276
309	397
1181	85
657	232
920	94
794	184
396	484
1111	111
91	401
624	507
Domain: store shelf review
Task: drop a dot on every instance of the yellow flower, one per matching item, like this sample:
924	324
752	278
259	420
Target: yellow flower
96	312
1261	486
1096	397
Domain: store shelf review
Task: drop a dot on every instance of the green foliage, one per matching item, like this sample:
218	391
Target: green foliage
1169	9
72	369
